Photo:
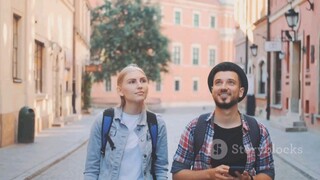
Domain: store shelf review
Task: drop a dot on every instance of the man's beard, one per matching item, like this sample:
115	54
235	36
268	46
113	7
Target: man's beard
224	105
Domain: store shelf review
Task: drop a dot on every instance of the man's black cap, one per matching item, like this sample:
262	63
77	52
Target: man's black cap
229	66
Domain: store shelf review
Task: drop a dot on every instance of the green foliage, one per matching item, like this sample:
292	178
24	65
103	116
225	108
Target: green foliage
86	90
125	32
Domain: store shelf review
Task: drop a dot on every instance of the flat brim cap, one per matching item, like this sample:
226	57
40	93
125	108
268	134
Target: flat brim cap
229	66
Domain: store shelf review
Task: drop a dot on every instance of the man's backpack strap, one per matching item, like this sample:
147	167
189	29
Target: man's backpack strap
153	129
199	133
255	135
201	128
106	124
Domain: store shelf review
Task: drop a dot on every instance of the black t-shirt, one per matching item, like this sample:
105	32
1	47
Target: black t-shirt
228	147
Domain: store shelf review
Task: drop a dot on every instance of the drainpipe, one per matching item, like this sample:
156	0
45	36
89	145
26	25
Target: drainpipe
247	43
246	52
74	65
268	63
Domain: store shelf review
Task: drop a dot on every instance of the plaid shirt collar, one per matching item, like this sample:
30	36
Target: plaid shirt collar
244	123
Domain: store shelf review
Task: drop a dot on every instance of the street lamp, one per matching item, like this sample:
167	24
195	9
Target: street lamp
281	55
254	50
292	18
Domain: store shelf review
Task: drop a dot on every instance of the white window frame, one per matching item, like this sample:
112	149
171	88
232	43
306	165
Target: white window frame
195	46
174	46
16	47
39	59
176	10
177	79
197	85
209	56
108	85
194	19
215	22
158	85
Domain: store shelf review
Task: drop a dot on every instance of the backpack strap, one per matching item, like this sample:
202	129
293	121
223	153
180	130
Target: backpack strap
153	130
107	120
255	136
106	124
201	129
199	133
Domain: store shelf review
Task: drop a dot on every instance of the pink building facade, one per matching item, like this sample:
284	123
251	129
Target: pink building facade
298	92
286	67
201	35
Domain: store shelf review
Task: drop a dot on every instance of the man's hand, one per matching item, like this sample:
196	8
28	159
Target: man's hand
220	172
244	176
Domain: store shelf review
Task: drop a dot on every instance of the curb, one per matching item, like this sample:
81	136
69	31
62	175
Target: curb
303	172
40	168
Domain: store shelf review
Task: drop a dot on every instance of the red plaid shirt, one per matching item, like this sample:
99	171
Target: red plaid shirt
185	154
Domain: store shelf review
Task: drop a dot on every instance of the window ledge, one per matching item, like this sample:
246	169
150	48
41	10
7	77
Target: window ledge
276	106
261	96
17	80
41	96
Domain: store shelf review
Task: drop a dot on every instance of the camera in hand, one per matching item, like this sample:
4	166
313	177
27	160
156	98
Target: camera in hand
233	169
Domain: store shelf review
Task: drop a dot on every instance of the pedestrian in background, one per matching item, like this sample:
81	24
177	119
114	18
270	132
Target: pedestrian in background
251	98
129	154
227	141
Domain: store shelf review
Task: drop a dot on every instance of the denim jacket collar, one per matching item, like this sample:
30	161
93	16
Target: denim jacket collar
119	110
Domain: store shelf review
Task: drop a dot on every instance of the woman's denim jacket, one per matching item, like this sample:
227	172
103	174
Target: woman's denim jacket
108	167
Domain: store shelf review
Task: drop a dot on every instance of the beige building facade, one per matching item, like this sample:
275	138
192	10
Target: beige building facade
251	28
43	45
201	35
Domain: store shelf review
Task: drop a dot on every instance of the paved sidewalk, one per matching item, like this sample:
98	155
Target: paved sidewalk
298	149
24	161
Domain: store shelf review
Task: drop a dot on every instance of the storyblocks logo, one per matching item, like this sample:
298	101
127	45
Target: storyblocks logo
220	149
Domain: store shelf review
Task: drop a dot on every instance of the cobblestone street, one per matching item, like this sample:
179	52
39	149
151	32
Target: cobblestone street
176	119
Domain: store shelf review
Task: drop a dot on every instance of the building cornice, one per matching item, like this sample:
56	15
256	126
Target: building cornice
89	5
280	13
261	20
82	38
68	4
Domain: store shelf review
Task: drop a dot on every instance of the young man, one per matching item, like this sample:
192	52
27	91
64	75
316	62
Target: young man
227	140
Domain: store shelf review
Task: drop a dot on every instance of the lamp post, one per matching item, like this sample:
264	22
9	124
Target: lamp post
268	62
254	50
292	18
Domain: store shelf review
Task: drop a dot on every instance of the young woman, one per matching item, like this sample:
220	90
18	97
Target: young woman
130	156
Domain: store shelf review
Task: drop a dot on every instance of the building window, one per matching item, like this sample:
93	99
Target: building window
38	63
176	55
307	109
161	13
177	85
108	84
278	80
196	20
67	86
212	57
158	85
262	82
195	56
195	85
177	17
308	52
213	22
16	74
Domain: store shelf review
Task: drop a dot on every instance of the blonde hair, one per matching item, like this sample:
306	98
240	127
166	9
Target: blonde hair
123	73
